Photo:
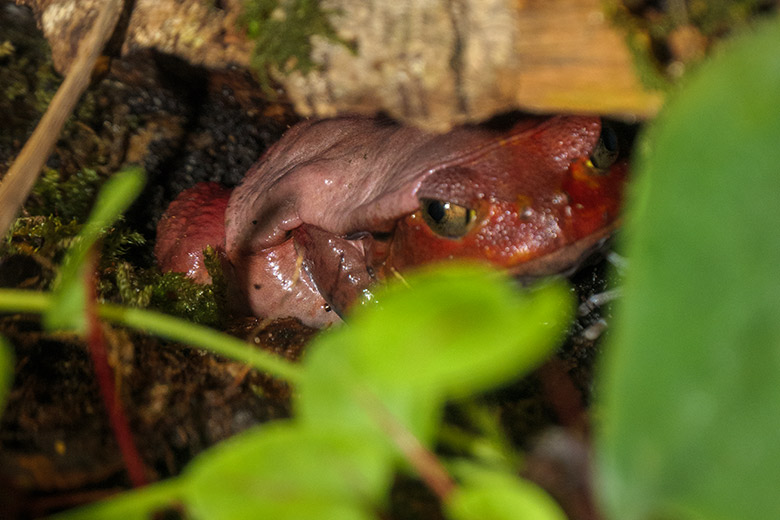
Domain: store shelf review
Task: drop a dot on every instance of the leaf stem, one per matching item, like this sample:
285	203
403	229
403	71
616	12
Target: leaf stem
168	327
104	374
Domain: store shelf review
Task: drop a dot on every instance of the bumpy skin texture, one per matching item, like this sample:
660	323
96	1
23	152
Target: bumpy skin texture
194	220
335	204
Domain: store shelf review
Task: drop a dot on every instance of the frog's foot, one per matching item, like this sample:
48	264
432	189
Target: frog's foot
336	265
273	284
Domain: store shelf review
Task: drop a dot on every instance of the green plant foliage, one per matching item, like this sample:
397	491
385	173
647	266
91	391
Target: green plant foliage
285	471
362	391
136	505
484	439
114	198
690	401
492	495
282	30
460	330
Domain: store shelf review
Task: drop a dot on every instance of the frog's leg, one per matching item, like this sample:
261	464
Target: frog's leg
193	221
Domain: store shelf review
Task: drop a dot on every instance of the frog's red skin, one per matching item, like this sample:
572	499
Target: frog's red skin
334	205
194	220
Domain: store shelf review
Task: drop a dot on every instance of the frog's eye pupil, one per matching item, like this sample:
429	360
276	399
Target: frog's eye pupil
606	151
447	219
609	139
436	210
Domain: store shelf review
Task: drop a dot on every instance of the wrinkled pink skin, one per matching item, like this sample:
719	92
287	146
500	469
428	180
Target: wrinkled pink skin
300	233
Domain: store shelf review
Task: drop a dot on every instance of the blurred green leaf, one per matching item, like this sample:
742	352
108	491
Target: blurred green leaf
691	400
335	394
114	198
284	471
137	504
461	329
491	495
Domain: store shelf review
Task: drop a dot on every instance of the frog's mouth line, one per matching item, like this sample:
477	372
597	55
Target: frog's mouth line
567	260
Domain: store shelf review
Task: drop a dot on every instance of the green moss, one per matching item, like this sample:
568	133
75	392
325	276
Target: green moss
68	199
171	293
282	30
55	214
131	292
45	237
213	264
174	293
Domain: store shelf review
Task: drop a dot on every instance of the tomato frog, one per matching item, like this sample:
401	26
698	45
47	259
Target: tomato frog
338	204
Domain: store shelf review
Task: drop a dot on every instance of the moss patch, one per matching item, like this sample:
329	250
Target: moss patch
282	30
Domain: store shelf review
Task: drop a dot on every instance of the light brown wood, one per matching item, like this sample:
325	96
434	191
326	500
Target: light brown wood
574	60
434	63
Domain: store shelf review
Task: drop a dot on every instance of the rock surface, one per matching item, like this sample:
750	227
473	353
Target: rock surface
434	64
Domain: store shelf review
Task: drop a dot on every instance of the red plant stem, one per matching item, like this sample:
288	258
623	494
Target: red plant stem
424	461
565	398
104	374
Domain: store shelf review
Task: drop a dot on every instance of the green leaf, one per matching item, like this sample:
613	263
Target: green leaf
114	198
691	400
335	394
490	495
137	504
283	470
460	329
6	371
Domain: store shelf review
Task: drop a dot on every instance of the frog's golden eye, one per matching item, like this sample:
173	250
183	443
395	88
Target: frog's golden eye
446	218
606	151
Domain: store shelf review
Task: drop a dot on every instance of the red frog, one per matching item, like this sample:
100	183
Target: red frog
337	204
